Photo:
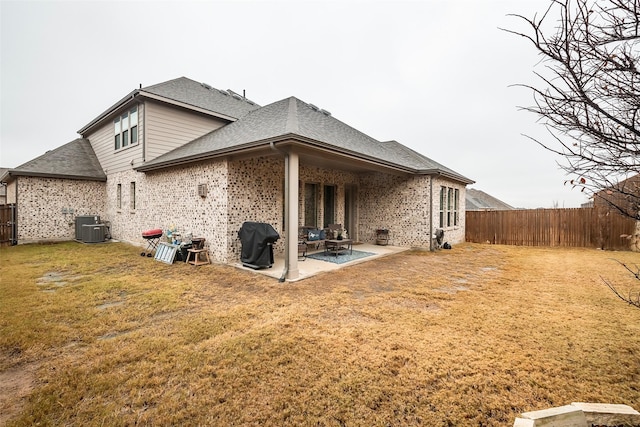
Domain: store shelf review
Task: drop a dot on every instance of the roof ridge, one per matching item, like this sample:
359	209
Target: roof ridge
292	117
167	82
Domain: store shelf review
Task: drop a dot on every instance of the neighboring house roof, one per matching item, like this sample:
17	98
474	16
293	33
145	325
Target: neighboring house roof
188	94
477	200
3	189
74	160
292	118
623	196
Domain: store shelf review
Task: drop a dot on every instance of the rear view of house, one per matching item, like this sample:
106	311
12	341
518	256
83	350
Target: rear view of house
183	154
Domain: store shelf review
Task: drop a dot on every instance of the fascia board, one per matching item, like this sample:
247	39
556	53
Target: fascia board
109	111
14	173
352	154
289	139
445	174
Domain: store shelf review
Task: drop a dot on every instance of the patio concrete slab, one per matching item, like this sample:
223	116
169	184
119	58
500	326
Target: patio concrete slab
311	267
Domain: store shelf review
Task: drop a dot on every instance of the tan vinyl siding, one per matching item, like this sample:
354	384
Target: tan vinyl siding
168	128
103	144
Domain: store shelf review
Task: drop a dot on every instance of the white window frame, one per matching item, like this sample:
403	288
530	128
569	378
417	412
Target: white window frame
125	129
449	207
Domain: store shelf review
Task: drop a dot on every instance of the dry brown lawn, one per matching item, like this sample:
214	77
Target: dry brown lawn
97	335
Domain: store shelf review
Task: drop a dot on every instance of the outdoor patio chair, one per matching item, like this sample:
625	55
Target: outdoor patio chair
302	250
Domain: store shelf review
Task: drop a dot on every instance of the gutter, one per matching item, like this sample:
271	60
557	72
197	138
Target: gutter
445	174
270	142
55	175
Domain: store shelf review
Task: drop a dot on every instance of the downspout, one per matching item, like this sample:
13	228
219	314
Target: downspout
14	228
431	213
286	206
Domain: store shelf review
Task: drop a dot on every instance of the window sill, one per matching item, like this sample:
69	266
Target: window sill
121	149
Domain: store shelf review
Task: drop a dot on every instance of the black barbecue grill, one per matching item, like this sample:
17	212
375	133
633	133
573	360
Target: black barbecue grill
257	240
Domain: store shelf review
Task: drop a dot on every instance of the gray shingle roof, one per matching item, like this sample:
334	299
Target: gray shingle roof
477	200
74	160
3	189
201	95
293	118
226	104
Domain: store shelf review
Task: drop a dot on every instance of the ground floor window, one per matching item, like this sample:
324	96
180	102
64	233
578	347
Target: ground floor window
310	205
449	206
132	196
329	205
119	196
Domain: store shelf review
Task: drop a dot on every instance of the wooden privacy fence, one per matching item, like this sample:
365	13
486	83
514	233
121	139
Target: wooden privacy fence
579	227
8	224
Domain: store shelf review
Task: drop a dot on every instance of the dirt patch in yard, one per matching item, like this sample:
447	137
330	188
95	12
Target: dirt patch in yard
16	384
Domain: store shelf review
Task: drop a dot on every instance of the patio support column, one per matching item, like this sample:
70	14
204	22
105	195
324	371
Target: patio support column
292	175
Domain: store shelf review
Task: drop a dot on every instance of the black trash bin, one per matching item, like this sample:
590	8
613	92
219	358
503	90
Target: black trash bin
257	240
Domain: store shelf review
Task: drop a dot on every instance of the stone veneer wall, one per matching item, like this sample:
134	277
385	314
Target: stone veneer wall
401	204
11	191
169	198
43	201
255	193
397	203
451	234
253	190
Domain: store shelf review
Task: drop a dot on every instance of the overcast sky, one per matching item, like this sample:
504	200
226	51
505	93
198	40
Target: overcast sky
433	75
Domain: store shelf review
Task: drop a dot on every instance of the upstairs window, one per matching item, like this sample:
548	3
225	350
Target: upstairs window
125	129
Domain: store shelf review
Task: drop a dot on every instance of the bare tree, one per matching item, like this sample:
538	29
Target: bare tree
589	97
633	296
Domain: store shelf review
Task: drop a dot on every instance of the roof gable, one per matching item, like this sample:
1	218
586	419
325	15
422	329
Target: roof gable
74	160
188	94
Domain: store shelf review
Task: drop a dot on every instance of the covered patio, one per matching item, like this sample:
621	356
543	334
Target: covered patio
311	266
292	166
